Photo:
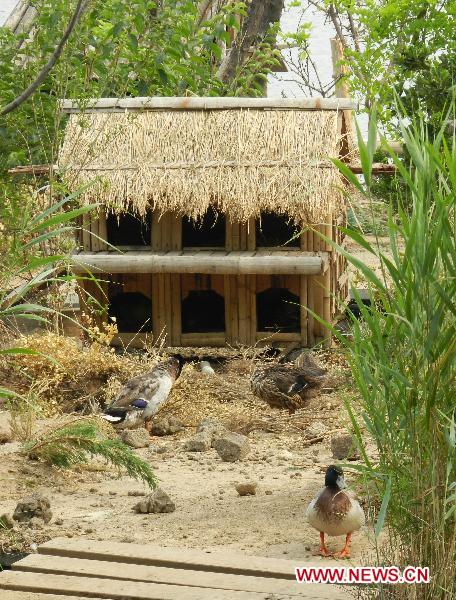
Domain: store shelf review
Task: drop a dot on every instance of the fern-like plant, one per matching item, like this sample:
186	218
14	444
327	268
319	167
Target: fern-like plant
76	442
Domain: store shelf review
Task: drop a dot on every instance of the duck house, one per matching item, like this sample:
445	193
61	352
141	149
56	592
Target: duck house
209	215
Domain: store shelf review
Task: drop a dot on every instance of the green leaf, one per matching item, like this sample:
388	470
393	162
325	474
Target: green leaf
383	508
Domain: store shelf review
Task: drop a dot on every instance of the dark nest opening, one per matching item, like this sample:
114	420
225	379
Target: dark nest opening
207	232
129	230
203	311
275	230
278	310
132	311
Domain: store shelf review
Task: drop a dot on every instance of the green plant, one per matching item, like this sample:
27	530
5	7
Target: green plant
402	357
76	442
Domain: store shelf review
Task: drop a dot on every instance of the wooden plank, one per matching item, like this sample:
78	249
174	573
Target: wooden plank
211	339
114	589
151	574
184	558
13	595
244	263
206	103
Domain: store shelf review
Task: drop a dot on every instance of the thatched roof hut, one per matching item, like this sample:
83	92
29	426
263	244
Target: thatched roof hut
241	156
217	205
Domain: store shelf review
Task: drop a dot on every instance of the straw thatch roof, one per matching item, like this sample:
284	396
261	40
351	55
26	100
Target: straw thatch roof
240	160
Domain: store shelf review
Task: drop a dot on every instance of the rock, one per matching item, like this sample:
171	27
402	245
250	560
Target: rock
58	522
285	455
136	438
6	521
157	502
232	446
343	446
213	428
166	426
136	493
246	489
268	492
315	429
33	506
35	523
199	443
5	434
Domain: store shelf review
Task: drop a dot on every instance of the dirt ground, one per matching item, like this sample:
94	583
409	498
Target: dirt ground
95	503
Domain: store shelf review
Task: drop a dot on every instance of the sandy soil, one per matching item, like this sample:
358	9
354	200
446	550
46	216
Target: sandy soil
97	504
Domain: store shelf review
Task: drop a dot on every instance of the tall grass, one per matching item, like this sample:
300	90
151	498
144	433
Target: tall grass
403	355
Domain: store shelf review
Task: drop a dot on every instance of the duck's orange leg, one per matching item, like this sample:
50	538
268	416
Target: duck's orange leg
345	552
323	549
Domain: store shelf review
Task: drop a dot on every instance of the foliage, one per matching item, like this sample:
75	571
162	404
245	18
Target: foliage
402	356
76	442
28	262
140	48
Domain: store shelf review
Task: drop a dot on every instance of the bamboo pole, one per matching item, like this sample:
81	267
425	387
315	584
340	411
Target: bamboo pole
303	305
233	263
206	103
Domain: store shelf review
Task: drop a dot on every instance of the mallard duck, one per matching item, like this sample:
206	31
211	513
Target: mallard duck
140	398
335	511
287	386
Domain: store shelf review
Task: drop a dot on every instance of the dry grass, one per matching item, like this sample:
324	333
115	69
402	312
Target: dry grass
241	161
67	376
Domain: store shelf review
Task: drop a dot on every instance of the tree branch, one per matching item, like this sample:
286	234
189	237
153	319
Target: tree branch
50	64
261	14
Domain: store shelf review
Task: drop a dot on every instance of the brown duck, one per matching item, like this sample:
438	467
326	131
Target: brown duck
287	386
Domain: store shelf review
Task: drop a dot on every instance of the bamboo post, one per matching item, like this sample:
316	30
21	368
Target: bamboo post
102	230
310	304
327	316
243	325
176	324
251	235
303	305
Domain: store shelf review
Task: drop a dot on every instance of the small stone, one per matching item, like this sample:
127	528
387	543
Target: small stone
213	428
33	506
157	502
343	446
315	429
136	493
6	521
35	523
232	446
307	548
135	438
166	426
112	493
88	530
246	489
268	492
58	522
285	455
201	442
5	433
93	490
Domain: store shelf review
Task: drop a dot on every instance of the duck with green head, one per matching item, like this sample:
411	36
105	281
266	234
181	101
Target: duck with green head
335	511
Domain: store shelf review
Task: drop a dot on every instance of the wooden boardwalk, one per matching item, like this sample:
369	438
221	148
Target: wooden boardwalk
67	569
